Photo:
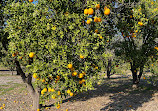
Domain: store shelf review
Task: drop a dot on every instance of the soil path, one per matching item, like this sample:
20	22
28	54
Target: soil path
115	94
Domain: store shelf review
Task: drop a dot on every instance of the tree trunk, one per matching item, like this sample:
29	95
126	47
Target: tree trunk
134	74
140	72
35	94
108	69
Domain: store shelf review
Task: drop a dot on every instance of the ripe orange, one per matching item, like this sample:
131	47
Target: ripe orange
20	57
59	93
101	37
74	73
99	19
35	75
58	106
107	11
97	6
53	97
88	21
96	31
90	11
96	67
86	11
13	55
68	91
30	0
58	77
140	23
43	80
38	109
80	75
95	19
44	90
83	80
31	55
80	81
83	73
49	89
156	48
69	66
71	94
81	56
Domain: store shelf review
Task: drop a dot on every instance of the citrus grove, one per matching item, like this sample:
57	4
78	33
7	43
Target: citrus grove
64	44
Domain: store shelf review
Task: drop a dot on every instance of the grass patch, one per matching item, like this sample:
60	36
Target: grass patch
5	75
5	89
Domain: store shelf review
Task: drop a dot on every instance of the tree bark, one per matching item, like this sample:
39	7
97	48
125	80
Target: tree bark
140	72
108	69
134	74
35	95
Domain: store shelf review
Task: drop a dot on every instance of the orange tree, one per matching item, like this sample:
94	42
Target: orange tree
49	39
139	30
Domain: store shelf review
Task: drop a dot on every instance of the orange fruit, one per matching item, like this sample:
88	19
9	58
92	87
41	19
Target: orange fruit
53	97
68	91
81	56
58	106
31	55
156	48
88	21
96	31
44	90
101	37
71	94
74	73
86	11
140	23
95	19
43	80
96	67
83	73
107	11
80	81
144	78
13	55
90	11
38	109
97	6
20	57
30	0
80	75
58	77
59	93
83	80
69	66
49	89
35	75
99	19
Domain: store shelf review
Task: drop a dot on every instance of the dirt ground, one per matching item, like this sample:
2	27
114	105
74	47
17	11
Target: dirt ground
115	94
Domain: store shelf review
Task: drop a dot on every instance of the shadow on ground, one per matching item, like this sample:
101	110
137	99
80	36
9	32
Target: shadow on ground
123	97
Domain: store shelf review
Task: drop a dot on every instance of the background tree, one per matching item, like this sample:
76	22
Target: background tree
139	34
